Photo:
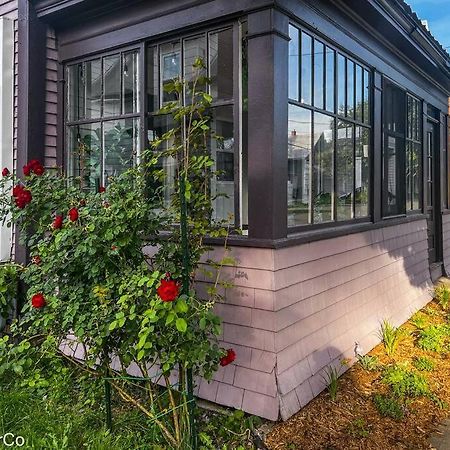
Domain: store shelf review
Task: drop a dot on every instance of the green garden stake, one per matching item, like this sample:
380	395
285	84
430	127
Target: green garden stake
108	405
185	290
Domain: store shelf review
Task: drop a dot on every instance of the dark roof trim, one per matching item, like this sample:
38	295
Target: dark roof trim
403	14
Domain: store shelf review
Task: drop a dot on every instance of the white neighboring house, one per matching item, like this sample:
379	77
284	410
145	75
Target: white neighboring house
6	115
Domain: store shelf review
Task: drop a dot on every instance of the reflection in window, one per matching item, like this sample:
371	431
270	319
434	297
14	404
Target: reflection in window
362	172
120	143
402	156
359	93
170	64
216	49
350	89
130	88
319	55
330	58
294	53
306	64
299	160
99	89
85	154
341	76
221	64
222	152
328	152
112	89
323	148
344	171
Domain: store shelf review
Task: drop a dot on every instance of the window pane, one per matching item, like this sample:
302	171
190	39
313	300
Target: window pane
319	54
409	175
362	171
359	94
193	49
111	75
344	172
293	62
416	175
75	91
130	93
366	100
350	89
323	146
93	80
152	79
306	69
222	152
341	85
330	79
170	64
394	176
221	64
120	144
157	126
85	155
299	160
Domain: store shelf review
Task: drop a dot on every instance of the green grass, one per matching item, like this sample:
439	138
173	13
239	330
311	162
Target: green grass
390	336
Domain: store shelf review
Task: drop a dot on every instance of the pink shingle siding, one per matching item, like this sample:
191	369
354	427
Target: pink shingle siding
295	311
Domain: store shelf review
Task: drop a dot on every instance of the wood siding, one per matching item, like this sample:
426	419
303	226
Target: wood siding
293	312
9	9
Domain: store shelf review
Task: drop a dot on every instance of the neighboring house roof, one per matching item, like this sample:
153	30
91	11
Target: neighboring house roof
408	9
427	34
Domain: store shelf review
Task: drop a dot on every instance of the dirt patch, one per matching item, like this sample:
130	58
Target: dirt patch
352	421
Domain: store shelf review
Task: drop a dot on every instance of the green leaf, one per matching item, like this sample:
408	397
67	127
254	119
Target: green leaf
140	355
202	323
181	306
181	325
113	325
170	318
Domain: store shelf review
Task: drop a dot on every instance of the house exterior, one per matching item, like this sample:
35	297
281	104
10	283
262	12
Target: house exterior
334	116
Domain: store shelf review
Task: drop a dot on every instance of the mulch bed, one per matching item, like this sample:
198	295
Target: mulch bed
330	425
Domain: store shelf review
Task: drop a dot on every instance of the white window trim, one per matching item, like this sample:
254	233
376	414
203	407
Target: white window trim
6	115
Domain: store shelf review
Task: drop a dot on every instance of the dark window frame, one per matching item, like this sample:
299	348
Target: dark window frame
403	156
237	27
336	117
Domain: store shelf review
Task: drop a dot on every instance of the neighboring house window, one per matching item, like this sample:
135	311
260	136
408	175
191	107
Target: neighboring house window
174	59
402	155
103	117
329	133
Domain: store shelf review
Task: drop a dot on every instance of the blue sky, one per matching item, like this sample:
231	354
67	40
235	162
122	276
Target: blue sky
437	12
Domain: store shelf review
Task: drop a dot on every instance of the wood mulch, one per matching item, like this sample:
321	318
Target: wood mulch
333	425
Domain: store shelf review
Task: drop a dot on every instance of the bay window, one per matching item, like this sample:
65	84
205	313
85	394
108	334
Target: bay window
107	123
328	133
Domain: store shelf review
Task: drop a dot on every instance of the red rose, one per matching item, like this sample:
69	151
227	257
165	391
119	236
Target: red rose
38	301
38	170
5	172
36	260
33	166
101	189
113	248
73	214
228	358
17	190
168	290
22	195
58	222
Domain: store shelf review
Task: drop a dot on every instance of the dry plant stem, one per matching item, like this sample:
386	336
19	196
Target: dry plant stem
176	422
148	383
125	396
128	398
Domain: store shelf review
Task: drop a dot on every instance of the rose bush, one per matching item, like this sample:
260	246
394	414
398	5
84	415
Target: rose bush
112	270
